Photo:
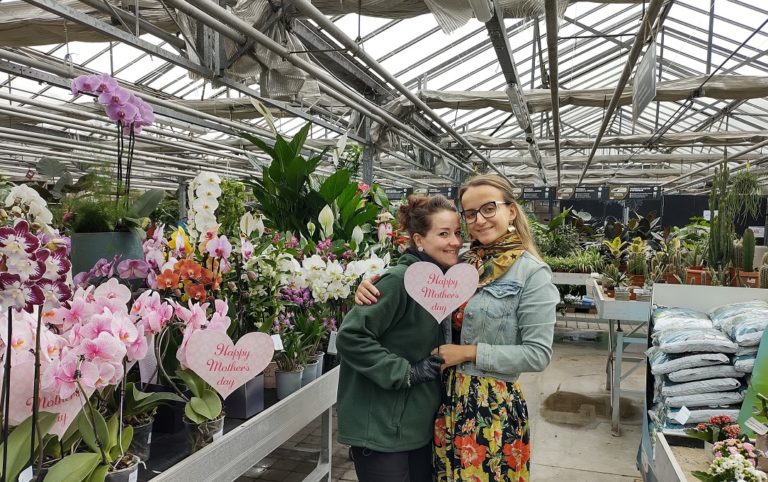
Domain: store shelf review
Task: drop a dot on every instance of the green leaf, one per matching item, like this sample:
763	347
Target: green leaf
558	220
334	185
195	384
19	444
64	180
73	468
147	203
298	140
191	414
113	424
86	430
138	402
702	476
258	143
99	474
209	405
117	451
48	167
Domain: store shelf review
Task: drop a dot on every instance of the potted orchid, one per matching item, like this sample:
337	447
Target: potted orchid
103	225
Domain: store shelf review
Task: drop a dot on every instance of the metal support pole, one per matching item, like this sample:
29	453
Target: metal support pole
709	36
368	155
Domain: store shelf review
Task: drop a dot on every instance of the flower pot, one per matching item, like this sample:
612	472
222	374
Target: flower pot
269	375
246	401
708	451
330	361
671	279
310	372
749	279
733	277
169	415
87	248
127	474
142	438
288	382
696	275
200	435
637	280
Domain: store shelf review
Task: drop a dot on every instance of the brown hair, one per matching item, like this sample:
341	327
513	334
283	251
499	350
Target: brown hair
521	220
415	216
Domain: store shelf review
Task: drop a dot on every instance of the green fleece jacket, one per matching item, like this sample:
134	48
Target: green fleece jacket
377	343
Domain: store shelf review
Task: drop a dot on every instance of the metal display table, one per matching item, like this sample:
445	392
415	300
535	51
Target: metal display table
635	313
659	458
244	445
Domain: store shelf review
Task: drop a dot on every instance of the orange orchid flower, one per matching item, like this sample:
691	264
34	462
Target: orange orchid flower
168	279
195	291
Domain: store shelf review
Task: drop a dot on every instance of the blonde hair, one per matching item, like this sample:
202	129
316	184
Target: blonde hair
521	220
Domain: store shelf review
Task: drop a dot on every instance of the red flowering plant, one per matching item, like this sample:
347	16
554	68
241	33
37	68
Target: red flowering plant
718	428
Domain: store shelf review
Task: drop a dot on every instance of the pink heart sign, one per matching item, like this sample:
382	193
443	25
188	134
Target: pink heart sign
20	408
226	366
440	293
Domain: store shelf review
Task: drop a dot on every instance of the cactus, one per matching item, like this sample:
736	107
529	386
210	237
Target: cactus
748	247
721	231
636	264
764	276
738	254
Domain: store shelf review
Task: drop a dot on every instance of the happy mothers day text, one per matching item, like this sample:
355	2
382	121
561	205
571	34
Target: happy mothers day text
238	358
440	288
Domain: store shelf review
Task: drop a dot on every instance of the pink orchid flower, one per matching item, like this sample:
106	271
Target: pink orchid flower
219	247
62	376
104	348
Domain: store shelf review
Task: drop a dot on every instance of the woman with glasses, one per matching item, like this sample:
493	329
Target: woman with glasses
505	329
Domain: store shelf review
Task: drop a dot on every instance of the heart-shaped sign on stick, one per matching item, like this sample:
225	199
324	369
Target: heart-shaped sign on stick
20	408
440	293
226	366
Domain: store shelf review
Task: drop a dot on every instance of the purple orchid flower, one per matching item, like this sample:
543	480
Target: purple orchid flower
117	96
18	239
123	113
19	295
54	292
84	83
133	269
105	83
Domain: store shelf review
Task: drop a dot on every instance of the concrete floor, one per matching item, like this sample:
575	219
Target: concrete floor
569	416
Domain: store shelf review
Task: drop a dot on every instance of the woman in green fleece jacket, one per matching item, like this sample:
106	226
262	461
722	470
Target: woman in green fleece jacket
388	386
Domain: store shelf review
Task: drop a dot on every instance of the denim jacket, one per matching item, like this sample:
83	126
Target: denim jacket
512	322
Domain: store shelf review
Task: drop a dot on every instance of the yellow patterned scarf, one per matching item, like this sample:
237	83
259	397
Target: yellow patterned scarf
494	260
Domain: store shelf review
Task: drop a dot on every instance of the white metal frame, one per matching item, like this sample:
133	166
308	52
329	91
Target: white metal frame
243	447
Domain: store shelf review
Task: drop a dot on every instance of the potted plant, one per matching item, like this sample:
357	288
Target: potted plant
139	410
104	226
108	458
637	265
693	258
717	428
745	253
613	278
292	358
203	412
616	247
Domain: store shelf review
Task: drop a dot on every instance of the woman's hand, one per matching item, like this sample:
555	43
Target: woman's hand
367	293
456	354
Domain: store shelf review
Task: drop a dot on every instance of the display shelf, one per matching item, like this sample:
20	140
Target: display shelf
659	458
244	444
582	279
634	313
610	309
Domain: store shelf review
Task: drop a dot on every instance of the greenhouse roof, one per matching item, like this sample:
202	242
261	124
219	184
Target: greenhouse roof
211	72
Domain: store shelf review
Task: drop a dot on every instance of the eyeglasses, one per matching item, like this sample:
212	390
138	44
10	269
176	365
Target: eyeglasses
488	210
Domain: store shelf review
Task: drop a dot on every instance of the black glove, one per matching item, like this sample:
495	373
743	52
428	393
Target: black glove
425	370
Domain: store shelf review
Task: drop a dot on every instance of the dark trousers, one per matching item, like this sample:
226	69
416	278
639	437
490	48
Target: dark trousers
410	466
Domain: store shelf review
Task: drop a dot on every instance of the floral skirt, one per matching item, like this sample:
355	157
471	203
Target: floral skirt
481	431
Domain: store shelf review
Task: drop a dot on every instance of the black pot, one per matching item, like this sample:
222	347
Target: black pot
169	414
142	438
246	401
127	474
